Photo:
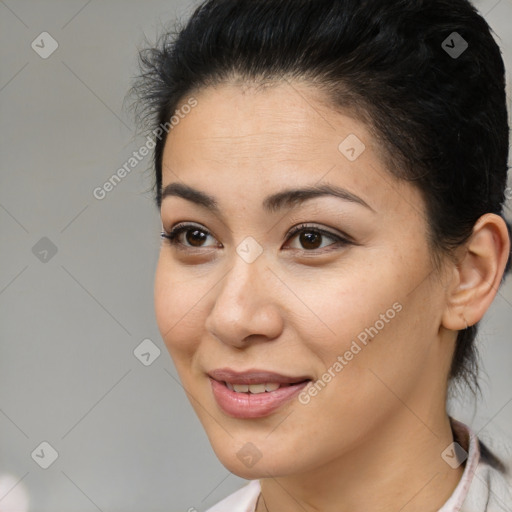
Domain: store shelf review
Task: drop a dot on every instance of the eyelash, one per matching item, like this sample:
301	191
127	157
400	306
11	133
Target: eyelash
171	237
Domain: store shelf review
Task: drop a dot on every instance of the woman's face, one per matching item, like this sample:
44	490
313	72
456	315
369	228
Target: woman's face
345	315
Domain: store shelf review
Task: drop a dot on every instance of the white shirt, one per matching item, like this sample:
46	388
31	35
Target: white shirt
482	487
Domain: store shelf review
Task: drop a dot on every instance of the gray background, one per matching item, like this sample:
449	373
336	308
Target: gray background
126	436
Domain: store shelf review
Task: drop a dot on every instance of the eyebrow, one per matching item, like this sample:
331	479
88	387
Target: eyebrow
285	199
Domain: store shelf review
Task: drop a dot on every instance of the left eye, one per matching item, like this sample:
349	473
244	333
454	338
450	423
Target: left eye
310	238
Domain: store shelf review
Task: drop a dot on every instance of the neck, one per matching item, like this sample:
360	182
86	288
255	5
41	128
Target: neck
398	468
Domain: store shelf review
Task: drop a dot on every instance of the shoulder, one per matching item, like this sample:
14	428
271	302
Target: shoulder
243	500
486	485
491	488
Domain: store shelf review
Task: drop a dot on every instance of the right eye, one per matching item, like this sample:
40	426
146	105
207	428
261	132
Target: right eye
195	236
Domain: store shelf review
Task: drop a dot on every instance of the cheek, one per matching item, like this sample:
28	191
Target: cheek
354	305
374	321
178	305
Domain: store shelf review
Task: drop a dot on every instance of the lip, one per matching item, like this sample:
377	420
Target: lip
254	377
248	405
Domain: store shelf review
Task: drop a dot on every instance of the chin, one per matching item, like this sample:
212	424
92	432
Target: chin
246	460
261	469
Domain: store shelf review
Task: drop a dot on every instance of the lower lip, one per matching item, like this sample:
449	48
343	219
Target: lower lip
248	405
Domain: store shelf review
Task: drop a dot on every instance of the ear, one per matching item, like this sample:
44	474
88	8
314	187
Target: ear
477	275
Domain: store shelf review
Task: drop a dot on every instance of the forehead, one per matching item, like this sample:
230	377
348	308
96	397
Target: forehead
280	122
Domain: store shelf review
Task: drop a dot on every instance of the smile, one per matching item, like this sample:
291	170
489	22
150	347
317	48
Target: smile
255	393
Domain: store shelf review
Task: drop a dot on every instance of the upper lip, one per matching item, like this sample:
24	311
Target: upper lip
253	377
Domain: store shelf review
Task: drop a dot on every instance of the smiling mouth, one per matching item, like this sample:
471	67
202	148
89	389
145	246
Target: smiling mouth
253	393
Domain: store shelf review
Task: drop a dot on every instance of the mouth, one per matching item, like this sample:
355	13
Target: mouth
255	393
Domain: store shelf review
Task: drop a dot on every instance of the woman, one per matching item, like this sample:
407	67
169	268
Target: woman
331	178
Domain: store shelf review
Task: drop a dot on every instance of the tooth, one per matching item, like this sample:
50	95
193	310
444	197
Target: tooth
257	388
254	388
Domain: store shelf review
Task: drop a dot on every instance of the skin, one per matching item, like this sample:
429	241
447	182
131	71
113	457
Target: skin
381	422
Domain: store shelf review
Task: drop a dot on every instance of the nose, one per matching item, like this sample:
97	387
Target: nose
246	308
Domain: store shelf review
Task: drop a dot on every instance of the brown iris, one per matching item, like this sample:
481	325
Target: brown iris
308	239
195	236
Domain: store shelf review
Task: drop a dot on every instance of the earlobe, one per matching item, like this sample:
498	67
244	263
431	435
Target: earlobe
478	274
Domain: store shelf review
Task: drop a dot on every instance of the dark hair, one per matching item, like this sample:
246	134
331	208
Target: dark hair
437	108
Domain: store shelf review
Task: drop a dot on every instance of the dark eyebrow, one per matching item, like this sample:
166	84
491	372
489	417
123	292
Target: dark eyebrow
273	203
293	197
